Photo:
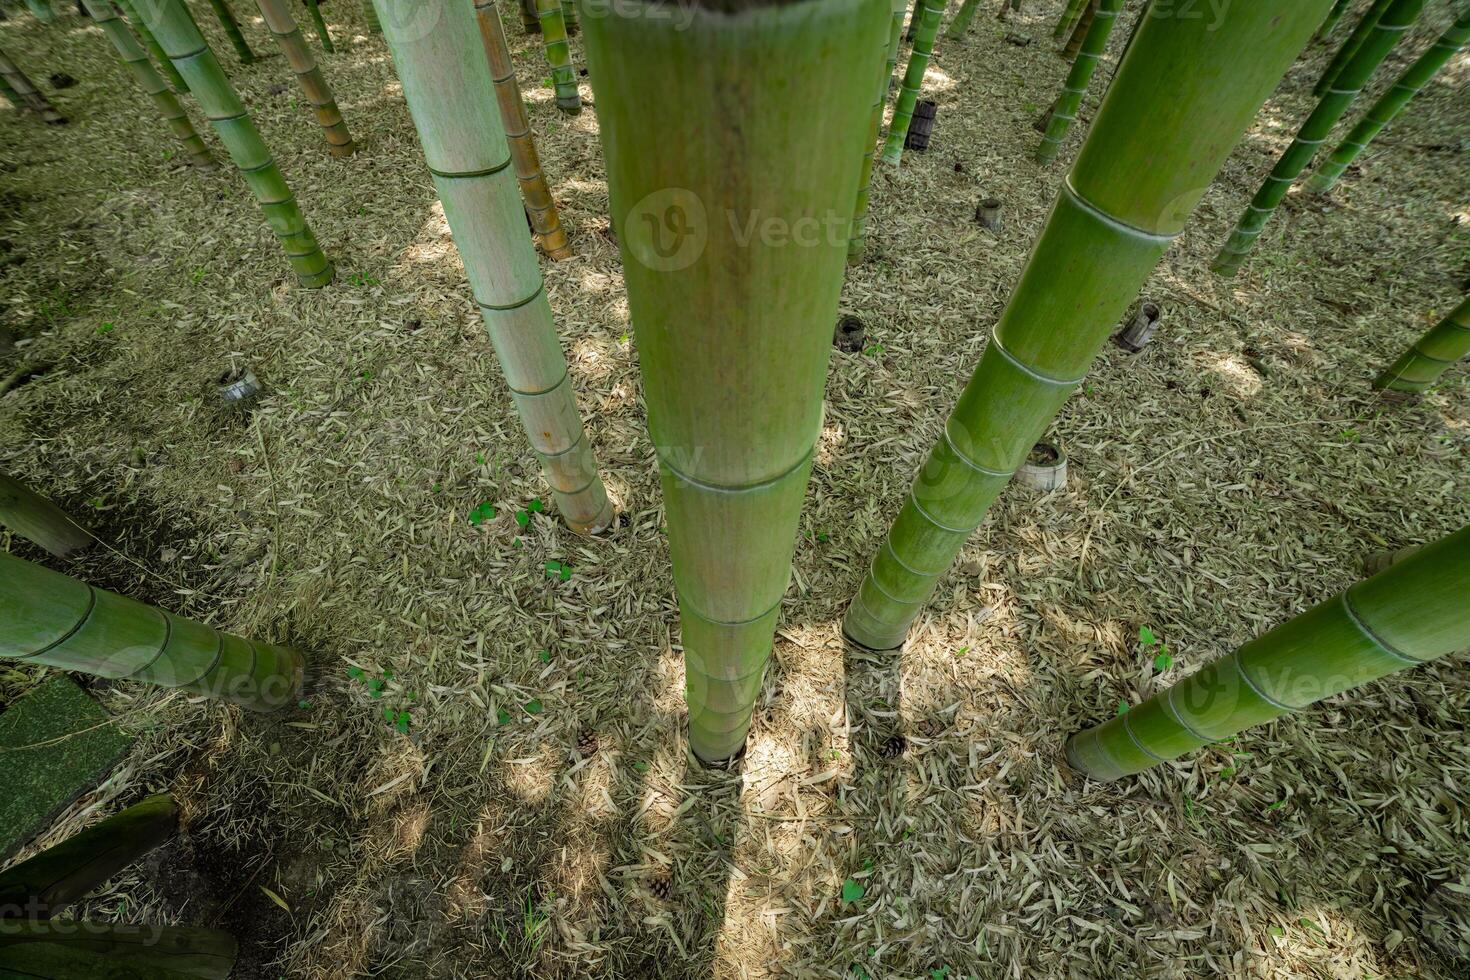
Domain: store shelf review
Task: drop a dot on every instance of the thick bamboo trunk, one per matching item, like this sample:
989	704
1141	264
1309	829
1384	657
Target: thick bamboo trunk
1333	16
175	29
155	49
59	876
314	9
232	30
49	618
26	92
569	16
446	80
928	13
150	81
1064	110
1125	200
1391	104
859	240
961	22
1432	354
537	196
559	56
71	950
1070	13
1409	614
278	19
733	206
1389	30
38	520
1083	28
1351	46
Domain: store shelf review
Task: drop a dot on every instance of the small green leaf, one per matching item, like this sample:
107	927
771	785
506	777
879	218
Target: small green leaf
852	891
545	656
390	714
387	673
566	572
1276	931
356	673
1163	662
962	651
536	506
403	722
522	518
502	717
641	766
1122	706
1146	636
534	706
106	327
304	705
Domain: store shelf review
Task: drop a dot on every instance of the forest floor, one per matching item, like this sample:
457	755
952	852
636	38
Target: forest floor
1236	471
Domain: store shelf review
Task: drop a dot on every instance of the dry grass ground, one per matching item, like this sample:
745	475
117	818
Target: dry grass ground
1235	472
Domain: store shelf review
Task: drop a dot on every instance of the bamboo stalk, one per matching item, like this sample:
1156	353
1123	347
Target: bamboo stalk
314	9
545	220
1389	30
446	80
1333	16
26	92
150	81
1064	110
1125	200
1411	613
1069	17
38	520
43	10
569	16
370	15
559	56
859	240
530	20
71	950
59	876
928	12
961	22
1432	354
55	620
1083	28
1351	46
175	29
733	217
895	35
232	30
278	20
13	97
1387	108
150	42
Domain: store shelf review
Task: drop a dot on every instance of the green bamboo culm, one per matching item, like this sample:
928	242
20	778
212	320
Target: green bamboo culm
23	91
1070	13
446	81
59	876
859	240
961	22
232	30
569	16
928	13
11	94
155	49
1411	613
81	950
150	81
1314	132
1431	356
895	36
1391	104
1333	16
1064	111
733	218
370	15
314	9
1351	46
170	22
1156	145
51	619
43	10
37	519
559	56
278	20
1081	31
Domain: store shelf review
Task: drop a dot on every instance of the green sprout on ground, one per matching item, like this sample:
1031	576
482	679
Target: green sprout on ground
1163	660
853	891
523	517
107	327
534	706
873	350
362	279
558	570
482	513
545	656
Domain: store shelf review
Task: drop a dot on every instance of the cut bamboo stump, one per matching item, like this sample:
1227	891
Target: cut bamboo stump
1045	468
278	20
540	208
989	213
1140	329
238	389
926	15
850	335
26	92
921	127
38	520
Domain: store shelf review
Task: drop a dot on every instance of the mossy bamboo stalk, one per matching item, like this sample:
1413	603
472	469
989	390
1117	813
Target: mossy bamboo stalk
1431	356
155	49
859	240
1083	28
961	22
1391	104
370	15
1351	46
559	56
55	620
928	13
26	92
1411	613
1064	110
38	520
314	9
278	20
1070	13
170	22
545	220
59	876
232	30
1128	196
446	80
43	10
150	81
71	950
1333	16
733	217
1389	30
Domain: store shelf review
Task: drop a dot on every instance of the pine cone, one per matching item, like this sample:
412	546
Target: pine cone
587	743
660	887
893	747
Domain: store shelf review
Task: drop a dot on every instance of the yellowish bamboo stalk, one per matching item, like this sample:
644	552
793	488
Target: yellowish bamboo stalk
298	54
